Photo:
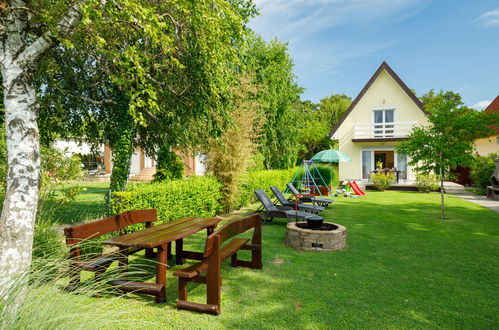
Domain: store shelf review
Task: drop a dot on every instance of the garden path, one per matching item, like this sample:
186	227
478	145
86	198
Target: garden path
458	190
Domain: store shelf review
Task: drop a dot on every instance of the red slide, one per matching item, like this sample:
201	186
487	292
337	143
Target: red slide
356	188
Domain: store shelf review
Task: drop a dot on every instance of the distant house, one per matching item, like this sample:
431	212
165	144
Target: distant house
491	144
379	118
142	167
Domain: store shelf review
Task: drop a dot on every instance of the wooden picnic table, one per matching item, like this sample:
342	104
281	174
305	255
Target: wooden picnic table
160	238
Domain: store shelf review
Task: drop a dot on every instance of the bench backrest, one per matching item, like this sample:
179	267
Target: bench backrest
265	200
279	195
79	233
234	228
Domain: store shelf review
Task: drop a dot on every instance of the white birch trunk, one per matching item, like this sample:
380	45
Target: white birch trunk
21	198
18	60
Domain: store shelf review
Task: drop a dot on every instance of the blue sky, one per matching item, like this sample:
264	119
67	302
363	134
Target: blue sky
337	45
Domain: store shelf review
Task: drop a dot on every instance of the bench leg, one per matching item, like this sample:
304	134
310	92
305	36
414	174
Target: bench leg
179	249
256	259
74	282
213	278
233	260
74	270
182	289
161	272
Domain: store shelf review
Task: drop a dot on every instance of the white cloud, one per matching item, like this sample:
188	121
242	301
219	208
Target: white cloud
489	18
324	34
482	104
291	20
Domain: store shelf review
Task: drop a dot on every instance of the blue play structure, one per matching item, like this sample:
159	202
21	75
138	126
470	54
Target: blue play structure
308	179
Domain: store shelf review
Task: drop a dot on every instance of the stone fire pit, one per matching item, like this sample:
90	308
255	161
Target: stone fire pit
330	237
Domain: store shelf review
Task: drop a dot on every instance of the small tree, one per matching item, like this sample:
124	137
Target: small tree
229	158
449	139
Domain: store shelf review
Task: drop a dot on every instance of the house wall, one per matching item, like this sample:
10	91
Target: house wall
70	147
487	146
384	91
135	163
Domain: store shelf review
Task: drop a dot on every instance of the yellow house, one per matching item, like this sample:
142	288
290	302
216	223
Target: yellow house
491	144
379	118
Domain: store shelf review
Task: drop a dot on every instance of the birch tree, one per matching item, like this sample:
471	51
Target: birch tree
137	38
20	52
449	139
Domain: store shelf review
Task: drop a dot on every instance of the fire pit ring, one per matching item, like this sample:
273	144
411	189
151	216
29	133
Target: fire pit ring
329	237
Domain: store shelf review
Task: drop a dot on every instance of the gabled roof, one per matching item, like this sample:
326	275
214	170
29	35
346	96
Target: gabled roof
383	67
494	107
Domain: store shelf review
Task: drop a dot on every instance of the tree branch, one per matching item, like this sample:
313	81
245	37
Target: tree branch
96	102
48	40
168	86
150	114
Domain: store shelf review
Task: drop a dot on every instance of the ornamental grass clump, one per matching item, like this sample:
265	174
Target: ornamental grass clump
38	300
382	181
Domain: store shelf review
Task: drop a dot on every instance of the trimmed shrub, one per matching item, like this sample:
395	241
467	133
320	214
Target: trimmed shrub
482	169
427	182
263	180
195	196
382	181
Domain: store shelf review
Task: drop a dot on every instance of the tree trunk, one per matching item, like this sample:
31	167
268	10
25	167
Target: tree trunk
442	194
21	197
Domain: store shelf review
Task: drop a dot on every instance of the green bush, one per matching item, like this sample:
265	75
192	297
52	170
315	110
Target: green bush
60	167
381	180
195	196
427	182
482	169
263	180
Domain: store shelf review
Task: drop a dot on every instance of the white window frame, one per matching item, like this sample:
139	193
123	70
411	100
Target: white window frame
383	108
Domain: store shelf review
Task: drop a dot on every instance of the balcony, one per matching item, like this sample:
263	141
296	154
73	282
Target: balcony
395	131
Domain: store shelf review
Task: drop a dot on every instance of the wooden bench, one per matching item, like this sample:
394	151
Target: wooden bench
78	235
213	255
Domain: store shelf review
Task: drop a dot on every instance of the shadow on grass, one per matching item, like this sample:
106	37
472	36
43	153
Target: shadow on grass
403	267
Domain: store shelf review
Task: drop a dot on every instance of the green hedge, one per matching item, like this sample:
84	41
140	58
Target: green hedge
196	196
263	180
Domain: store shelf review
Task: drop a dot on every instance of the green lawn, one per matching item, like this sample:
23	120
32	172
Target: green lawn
88	205
403	268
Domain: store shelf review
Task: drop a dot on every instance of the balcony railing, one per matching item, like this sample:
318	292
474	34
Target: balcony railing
383	130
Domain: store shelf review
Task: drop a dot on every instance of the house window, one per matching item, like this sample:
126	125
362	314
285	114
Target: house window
497	139
367	166
383	123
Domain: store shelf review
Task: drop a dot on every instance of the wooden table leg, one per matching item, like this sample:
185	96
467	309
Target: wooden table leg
161	272
179	250
170	251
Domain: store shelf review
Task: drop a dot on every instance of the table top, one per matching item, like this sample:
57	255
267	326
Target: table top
158	235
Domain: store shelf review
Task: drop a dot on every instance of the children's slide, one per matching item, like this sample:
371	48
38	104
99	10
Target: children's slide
356	188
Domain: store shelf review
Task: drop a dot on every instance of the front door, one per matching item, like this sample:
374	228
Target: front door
388	159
